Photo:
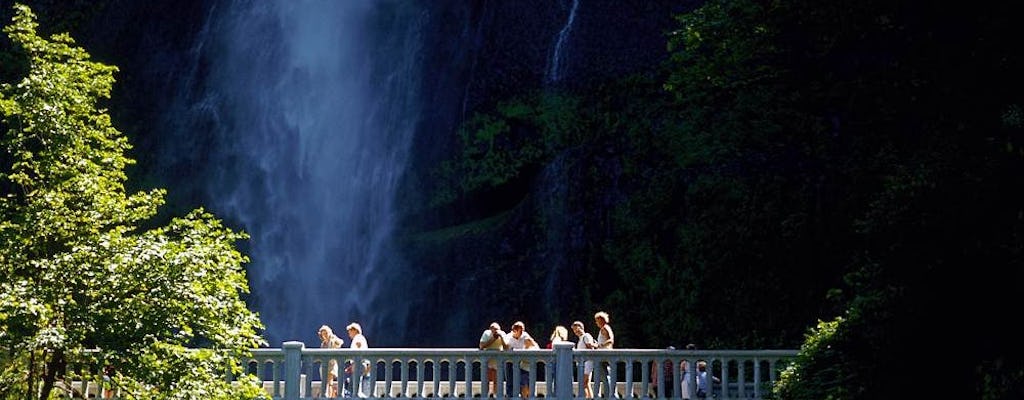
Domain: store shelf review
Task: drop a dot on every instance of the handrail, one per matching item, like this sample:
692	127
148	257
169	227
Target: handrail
294	372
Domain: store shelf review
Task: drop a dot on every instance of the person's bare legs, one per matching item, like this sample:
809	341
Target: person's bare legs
587	391
524	384
492	378
329	390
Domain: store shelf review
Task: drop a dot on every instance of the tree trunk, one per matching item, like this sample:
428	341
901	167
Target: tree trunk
30	376
57	363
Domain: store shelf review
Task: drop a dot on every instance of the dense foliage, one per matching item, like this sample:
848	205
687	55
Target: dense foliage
84	282
844	177
852	170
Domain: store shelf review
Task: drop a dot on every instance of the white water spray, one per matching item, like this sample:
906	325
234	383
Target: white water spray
305	114
555	67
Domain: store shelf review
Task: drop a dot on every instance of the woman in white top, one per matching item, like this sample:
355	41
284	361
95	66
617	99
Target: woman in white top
328	340
586	341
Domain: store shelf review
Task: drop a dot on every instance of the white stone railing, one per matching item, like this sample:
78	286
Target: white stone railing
294	372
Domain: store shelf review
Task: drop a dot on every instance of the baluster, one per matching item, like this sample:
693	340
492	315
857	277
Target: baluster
550	374
388	377
467	376
275	377
691	383
437	377
452	369
646	377
613	378
742	378
628	387
516	377
374	367
405	376
419	377
677	379
757	377
578	363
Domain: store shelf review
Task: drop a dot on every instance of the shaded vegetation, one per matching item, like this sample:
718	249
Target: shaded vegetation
794	162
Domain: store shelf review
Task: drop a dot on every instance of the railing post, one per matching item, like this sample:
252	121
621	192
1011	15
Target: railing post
292	368
563	370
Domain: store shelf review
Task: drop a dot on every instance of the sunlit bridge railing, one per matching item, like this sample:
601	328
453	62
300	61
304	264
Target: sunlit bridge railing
296	372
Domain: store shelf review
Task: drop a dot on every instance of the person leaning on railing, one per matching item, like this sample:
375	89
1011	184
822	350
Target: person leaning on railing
520	339
492	339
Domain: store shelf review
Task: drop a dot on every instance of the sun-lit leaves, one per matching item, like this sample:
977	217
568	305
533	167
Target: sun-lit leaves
77	269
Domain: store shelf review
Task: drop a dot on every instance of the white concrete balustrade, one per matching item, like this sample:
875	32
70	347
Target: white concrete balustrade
294	372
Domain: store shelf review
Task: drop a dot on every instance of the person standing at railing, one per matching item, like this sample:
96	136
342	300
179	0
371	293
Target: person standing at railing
559	335
328	340
355	333
703	387
605	340
686	378
661	374
586	341
519	339
493	339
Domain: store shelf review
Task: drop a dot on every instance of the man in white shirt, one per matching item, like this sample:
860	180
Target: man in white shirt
493	339
355	332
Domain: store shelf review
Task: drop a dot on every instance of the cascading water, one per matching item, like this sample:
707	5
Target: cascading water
554	71
304	113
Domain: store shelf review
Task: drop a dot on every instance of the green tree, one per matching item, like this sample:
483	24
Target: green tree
80	269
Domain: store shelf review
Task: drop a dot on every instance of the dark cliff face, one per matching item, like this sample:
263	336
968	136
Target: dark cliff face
483	52
152	44
529	239
518	251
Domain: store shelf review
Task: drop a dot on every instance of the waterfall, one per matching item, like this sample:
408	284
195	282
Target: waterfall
554	72
297	119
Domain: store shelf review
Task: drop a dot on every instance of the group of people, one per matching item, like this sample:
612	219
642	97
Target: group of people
666	375
493	338
328	340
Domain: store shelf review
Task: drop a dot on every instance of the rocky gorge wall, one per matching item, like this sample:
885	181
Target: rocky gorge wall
519	251
512	253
